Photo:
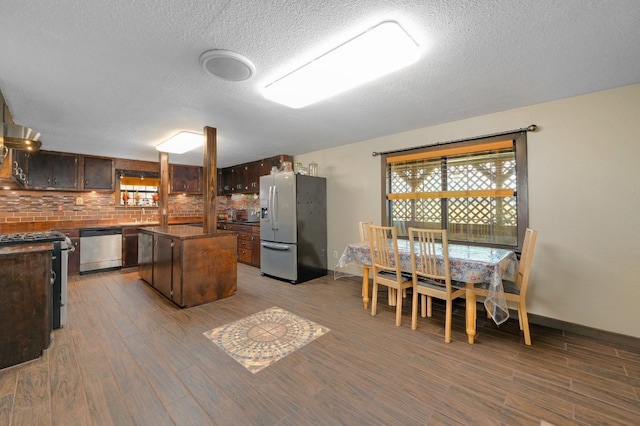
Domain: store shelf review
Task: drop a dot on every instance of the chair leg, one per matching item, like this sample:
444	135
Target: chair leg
398	307
429	306
414	310
447	321
524	321
374	297
423	305
520	315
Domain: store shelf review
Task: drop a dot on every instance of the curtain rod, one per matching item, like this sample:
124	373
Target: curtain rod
531	128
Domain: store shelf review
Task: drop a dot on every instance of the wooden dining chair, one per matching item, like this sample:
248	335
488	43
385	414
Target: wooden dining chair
385	266
363	228
517	291
429	278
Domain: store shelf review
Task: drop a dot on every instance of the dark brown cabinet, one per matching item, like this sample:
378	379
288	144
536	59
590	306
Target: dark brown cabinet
220	182
97	174
163	270
129	246
255	246
236	179
74	256
252	177
185	179
46	170
145	256
248	242
245	178
26	304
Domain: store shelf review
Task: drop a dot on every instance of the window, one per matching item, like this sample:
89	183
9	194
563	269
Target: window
475	189
137	189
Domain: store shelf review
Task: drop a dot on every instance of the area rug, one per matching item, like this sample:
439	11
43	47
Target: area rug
263	338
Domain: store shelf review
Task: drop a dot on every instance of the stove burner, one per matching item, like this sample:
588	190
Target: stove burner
31	237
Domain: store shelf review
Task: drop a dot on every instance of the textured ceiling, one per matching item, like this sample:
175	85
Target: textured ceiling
117	77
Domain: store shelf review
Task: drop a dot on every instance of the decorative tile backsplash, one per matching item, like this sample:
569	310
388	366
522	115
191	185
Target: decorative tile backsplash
36	206
50	206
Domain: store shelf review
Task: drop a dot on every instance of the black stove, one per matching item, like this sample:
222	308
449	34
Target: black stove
31	237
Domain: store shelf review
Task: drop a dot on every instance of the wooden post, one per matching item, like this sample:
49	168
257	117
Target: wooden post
210	219
163	202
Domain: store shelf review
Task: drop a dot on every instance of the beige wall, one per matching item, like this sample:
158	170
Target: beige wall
584	199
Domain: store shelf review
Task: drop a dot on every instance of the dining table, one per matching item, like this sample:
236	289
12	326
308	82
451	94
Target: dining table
473	266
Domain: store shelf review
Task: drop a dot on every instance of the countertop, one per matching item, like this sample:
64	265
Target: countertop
184	231
19	227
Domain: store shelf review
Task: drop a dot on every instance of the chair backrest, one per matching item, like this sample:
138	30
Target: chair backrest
363	227
383	242
424	254
524	267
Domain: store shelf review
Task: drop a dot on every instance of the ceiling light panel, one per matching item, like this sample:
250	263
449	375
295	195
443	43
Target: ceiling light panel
378	51
181	143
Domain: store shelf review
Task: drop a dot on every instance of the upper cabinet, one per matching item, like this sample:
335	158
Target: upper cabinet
98	174
245	178
185	179
49	170
65	172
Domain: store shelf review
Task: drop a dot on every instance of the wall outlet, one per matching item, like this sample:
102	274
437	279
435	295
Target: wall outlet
335	254
79	201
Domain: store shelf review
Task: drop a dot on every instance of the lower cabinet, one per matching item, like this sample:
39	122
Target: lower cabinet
25	306
255	246
248	242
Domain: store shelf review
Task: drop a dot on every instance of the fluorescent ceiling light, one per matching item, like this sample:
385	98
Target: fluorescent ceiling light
378	51
181	143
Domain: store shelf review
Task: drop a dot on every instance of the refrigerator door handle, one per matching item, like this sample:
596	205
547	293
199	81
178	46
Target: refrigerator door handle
273	199
275	246
271	209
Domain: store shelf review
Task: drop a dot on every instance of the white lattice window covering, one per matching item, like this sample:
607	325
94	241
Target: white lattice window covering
473	192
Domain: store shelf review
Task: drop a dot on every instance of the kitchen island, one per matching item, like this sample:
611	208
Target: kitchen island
186	265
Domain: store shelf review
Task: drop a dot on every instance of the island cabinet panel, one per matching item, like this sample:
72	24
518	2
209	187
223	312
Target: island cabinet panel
129	246
188	267
145	256
25	305
214	279
163	265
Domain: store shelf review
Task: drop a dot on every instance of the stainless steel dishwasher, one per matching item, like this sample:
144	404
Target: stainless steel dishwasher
100	249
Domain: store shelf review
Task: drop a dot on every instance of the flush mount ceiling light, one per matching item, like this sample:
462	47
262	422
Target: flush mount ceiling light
181	143
378	51
227	65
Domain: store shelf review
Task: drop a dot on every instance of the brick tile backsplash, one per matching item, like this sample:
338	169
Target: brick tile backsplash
34	206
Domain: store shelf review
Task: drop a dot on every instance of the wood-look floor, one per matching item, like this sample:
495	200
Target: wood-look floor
127	356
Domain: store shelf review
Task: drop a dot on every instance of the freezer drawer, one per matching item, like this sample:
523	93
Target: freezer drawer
279	260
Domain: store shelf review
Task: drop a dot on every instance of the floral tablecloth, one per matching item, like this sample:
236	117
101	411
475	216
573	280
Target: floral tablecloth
482	266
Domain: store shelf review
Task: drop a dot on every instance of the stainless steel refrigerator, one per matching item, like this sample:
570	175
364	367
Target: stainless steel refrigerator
293	226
